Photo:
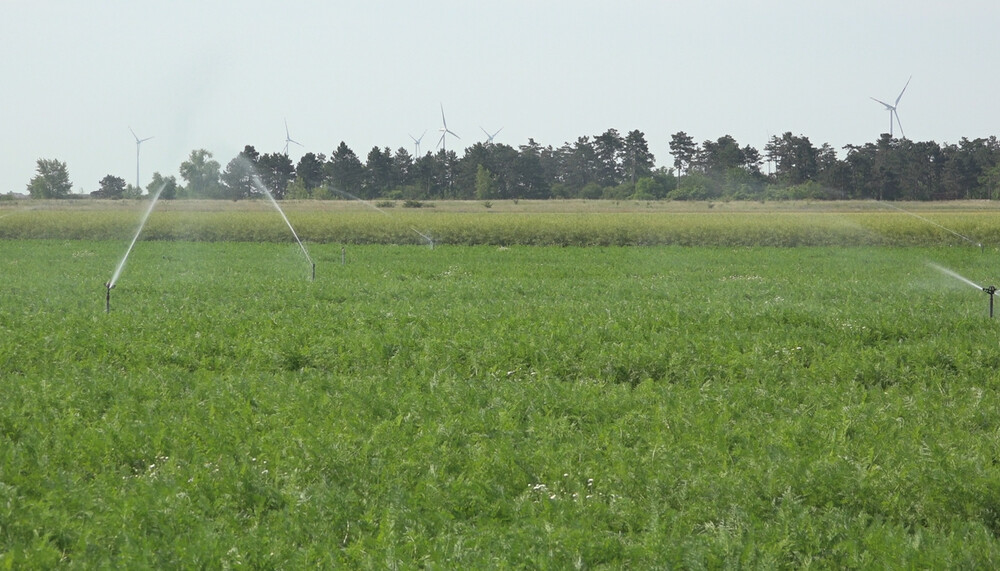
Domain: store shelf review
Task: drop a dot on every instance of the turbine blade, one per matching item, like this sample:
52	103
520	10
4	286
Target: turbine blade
414	139
146	139
898	124
904	89
441	140
133	134
443	121
452	133
498	131
286	129
488	136
887	106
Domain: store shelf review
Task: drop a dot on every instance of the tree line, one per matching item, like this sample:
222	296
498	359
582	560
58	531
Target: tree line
605	166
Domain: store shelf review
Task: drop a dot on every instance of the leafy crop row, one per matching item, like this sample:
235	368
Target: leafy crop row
496	406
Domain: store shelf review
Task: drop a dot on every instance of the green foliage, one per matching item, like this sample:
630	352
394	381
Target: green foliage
297	190
51	180
201	175
495	407
112	187
132	192
695	186
592	191
169	188
485	185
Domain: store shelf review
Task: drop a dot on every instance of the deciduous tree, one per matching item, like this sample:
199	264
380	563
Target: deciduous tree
110	186
169	184
51	180
201	175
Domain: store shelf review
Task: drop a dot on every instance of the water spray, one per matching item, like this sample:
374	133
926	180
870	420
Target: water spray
933	223
989	290
260	186
121	264
430	241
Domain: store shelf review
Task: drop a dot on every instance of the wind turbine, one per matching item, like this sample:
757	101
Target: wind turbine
138	143
489	138
416	144
892	110
289	139
445	130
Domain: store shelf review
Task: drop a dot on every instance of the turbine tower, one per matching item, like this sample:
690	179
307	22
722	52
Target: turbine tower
489	138
289	139
445	131
416	145
138	143
892	110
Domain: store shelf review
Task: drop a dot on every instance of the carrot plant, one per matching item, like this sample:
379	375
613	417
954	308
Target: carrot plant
496	406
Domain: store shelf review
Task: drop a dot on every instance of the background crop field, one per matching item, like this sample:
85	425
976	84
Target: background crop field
508	223
488	406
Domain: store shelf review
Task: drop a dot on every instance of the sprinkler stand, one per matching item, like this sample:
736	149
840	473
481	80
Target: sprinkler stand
107	298
991	291
314	271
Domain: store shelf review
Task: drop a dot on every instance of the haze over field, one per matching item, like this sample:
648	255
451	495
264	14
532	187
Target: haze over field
221	75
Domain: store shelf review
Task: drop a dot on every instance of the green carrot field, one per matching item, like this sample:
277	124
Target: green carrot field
502	405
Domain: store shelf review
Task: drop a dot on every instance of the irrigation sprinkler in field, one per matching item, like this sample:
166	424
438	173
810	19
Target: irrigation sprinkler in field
989	290
107	298
121	264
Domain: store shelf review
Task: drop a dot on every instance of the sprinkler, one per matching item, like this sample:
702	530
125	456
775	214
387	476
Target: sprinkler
991	291
314	271
107	298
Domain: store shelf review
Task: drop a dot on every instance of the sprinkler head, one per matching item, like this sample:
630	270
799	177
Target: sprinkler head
991	290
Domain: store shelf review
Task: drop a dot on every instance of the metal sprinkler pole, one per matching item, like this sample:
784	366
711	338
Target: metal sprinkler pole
991	290
107	298
314	271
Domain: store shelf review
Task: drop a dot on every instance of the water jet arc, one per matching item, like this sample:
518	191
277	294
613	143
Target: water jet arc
933	223
260	186
121	264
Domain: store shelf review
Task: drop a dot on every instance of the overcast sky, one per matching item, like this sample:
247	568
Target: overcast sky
220	75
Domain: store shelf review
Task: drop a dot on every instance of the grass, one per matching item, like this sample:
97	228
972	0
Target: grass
496	407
